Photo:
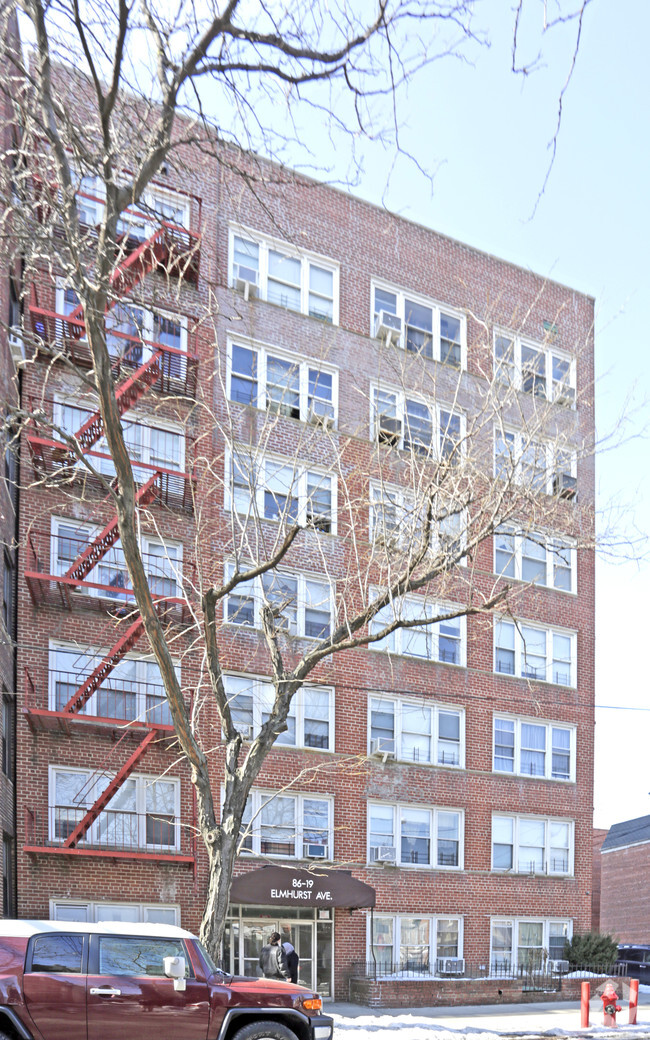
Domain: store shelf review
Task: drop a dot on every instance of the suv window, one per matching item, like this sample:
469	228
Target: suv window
120	956
57	953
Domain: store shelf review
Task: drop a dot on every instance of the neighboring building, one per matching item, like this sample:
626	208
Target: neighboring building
624	866
473	819
599	836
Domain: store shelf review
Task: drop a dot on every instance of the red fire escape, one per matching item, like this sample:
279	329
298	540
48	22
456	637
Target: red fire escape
174	372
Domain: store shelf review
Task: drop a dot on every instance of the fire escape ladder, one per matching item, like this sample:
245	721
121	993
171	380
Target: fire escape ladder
100	804
100	545
125	644
126	395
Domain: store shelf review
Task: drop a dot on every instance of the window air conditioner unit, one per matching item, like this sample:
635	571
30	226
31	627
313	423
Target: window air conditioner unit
246	732
389	429
450	966
383	746
16	344
245	280
383	854
315	851
561	965
565	395
564	485
388	327
321	414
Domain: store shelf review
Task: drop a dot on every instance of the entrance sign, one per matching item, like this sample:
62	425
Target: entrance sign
291	886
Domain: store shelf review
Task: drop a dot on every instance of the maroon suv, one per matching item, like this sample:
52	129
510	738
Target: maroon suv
116	981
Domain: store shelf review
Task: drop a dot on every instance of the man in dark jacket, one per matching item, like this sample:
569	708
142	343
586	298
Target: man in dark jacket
273	959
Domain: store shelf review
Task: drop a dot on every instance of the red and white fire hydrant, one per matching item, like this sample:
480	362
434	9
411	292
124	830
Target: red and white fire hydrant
610	1007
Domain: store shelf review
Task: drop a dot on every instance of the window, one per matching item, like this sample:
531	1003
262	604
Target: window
396	522
8	873
285	385
277	272
413	945
8	591
310	721
144	813
443	640
535	558
531	652
297	826
146	913
133	689
532	845
8	734
156	206
119	955
58	954
162	562
535	368
532	748
535	465
413	731
414	836
274	490
420	326
519	943
303	604
410	423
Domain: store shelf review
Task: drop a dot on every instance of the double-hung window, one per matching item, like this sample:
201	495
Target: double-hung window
157	206
443	640
413	731
284	275
144	813
535	558
284	385
415	836
532	845
537	466
419	325
295	826
310	723
272	489
534	652
133	691
302	605
523	943
532	748
402	421
414	945
83	910
397	522
535	368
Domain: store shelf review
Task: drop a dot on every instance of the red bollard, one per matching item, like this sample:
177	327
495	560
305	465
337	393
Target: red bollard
585	991
634	1001
610	1007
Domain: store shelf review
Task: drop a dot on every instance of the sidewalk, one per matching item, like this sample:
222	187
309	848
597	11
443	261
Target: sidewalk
557	1018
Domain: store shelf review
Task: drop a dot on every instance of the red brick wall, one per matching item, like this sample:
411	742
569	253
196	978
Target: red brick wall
624	904
599	836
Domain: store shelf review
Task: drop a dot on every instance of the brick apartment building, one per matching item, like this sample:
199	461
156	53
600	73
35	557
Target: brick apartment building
469	812
624	854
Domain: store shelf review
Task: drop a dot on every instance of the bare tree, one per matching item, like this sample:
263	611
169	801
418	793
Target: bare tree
107	101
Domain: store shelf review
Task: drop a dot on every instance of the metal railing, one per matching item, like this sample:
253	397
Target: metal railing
540	973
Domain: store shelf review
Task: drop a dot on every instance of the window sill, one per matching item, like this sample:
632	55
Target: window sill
258	298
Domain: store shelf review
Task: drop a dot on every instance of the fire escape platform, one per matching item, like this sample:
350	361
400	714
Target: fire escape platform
41	720
108	853
55	590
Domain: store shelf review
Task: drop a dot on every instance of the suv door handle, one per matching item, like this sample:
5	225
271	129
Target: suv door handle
104	991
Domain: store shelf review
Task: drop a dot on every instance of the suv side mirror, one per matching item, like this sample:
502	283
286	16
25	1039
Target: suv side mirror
175	969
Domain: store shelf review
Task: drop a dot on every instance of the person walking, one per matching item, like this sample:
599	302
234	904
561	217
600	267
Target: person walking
273	959
293	960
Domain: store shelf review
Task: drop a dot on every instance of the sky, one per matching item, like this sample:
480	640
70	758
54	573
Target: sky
486	133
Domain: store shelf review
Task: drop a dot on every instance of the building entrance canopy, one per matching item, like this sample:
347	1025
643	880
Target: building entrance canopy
289	886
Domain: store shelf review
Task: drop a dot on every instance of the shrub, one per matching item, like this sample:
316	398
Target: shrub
591	948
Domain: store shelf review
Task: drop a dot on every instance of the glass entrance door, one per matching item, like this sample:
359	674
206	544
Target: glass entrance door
246	935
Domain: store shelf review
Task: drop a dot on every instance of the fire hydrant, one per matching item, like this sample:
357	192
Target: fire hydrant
610	1007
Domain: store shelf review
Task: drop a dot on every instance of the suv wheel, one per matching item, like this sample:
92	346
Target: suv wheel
262	1031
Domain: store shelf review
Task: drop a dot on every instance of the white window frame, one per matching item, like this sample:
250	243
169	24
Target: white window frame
406	523
148	316
142	782
304	365
398	641
437	309
87	660
519	819
301	472
258	798
96	911
146	542
511	958
301	605
543	630
265	244
552	546
398	706
433	920
562	391
517	770
399	811
257	686
558	479
434	409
